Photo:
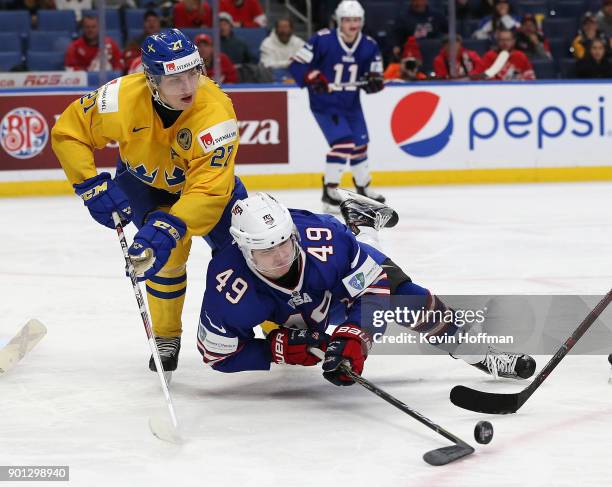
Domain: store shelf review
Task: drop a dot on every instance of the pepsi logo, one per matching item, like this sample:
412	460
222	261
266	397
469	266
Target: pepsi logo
421	124
24	133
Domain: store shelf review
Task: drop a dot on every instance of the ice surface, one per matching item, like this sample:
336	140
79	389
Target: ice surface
84	395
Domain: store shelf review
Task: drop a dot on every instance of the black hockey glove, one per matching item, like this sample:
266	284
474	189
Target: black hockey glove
373	83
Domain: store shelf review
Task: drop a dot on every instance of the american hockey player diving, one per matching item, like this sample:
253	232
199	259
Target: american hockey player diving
178	137
305	271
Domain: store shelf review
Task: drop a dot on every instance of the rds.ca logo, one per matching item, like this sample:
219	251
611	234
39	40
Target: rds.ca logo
421	125
23	133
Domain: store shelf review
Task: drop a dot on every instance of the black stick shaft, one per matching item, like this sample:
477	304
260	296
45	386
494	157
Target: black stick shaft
567	346
400	405
392	400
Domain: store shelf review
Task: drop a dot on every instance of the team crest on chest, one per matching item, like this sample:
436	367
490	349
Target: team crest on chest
141	172
177	176
298	299
183	137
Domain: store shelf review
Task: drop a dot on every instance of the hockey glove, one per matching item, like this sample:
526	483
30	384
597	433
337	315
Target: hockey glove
373	83
102	196
290	346
317	81
348	343
154	242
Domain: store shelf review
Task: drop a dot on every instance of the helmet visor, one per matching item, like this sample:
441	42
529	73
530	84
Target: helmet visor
180	83
277	259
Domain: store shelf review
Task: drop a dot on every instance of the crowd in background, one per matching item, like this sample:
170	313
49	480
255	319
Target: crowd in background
545	39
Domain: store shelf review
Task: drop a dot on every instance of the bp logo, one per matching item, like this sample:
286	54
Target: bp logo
421	124
24	133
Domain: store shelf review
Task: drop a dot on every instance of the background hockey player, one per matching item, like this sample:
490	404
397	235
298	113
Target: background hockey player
329	60
306	271
178	138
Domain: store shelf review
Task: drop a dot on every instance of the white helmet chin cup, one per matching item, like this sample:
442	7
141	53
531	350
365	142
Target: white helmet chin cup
260	222
349	8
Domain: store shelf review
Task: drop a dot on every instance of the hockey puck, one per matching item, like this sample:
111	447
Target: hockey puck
610	358
483	432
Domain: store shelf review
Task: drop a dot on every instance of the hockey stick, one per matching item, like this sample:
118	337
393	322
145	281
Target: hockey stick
498	64
491	71
438	457
159	427
492	403
24	341
352	84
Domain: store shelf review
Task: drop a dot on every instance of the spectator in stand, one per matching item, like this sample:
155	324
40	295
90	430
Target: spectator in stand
531	41
595	63
83	53
33	6
588	32
409	68
604	18
151	25
76	6
245	13
420	21
204	44
517	67
278	48
469	63
191	14
501	18
235	48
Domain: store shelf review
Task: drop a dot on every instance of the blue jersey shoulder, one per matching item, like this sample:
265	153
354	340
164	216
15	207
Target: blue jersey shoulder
326	241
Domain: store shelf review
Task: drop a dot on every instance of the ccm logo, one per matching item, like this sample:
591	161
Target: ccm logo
87	195
169	228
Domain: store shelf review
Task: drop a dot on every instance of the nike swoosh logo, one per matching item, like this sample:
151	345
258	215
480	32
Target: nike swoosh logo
220	328
139	129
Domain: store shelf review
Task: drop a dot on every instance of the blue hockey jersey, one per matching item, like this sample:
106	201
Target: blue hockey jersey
335	271
328	53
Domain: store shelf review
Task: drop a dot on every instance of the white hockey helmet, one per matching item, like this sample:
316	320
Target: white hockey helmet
259	222
349	8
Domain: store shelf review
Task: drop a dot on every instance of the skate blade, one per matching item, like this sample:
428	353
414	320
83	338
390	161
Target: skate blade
168	376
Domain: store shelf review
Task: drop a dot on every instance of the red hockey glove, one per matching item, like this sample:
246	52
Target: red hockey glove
317	81
349	343
290	346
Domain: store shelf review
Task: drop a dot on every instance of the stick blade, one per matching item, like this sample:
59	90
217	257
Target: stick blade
23	342
484	402
448	454
163	429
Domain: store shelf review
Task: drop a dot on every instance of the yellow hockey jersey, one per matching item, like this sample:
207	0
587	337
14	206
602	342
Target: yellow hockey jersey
195	156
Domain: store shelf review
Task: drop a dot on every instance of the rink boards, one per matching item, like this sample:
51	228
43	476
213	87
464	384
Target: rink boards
426	133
